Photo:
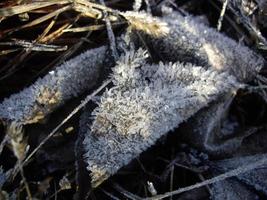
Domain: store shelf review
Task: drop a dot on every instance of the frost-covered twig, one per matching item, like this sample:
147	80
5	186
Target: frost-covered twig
194	42
255	178
46	94
239	170
111	35
146	102
219	25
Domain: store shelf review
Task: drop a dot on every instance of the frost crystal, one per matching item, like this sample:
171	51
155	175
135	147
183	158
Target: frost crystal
146	102
188	40
66	81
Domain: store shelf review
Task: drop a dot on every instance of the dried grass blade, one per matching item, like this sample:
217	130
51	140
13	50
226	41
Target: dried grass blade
14	10
91	28
35	46
41	19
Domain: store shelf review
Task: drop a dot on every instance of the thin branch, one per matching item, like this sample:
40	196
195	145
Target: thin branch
34	46
14	10
219	25
229	174
126	193
111	35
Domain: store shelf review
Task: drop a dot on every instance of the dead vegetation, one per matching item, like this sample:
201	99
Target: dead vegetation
87	91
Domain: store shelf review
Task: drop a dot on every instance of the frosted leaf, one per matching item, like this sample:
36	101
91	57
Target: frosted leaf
131	117
189	40
231	189
255	178
66	81
204	130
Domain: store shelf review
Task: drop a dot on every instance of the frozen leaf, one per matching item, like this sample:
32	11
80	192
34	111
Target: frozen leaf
207	132
68	80
146	102
188	40
231	189
255	178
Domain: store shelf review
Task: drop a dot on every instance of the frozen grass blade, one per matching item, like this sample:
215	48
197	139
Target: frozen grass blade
46	94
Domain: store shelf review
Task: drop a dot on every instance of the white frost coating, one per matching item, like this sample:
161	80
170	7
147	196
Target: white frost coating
188	40
146	102
230	189
255	178
66	81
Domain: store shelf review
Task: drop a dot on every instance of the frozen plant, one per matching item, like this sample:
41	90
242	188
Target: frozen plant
188	40
231	189
255	178
145	103
205	129
144	22
67	80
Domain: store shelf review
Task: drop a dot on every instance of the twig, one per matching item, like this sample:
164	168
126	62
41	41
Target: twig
229	174
42	19
219	25
110	195
25	181
34	46
14	10
126	193
171	180
111	35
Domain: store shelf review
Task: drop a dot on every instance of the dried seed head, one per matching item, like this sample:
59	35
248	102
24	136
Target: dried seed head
142	21
18	141
64	183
